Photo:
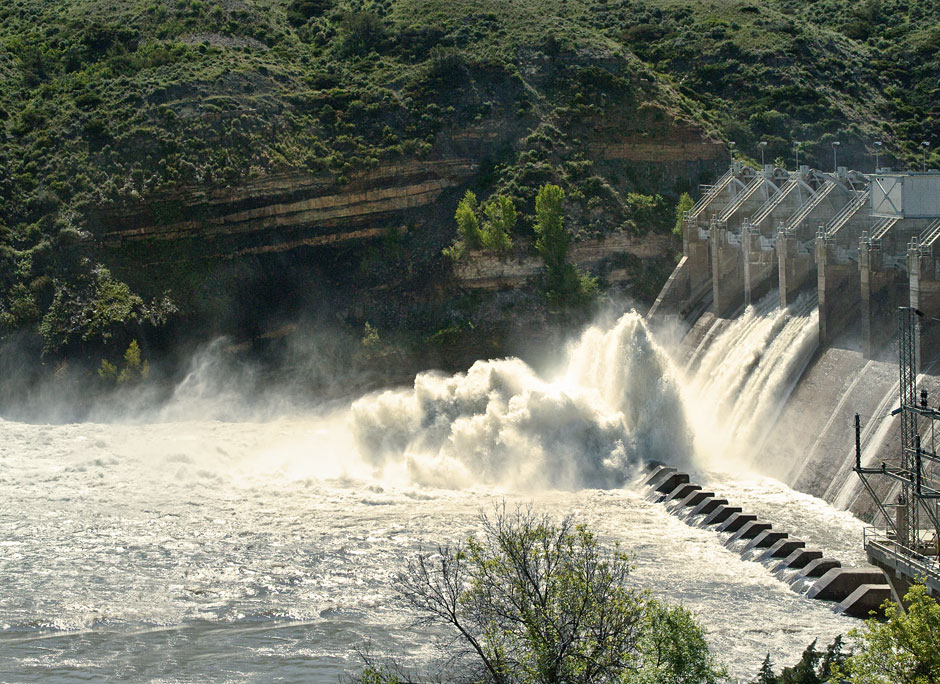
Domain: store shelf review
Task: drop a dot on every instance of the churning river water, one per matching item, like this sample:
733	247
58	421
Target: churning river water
198	550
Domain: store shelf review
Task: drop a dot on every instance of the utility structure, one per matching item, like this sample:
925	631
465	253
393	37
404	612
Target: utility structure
906	552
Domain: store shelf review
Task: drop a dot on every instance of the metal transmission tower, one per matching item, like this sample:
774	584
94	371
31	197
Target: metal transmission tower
920	491
907	367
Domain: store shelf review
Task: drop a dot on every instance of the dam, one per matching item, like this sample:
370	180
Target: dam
865	243
863	248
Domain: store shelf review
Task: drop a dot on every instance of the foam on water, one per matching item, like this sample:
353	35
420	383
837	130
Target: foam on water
616	405
209	550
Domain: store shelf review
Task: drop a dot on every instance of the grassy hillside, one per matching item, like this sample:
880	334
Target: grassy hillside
107	102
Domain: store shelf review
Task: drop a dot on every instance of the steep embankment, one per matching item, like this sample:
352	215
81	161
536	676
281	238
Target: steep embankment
209	166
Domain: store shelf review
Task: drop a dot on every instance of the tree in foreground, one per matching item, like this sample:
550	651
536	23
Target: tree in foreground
904	649
814	667
535	601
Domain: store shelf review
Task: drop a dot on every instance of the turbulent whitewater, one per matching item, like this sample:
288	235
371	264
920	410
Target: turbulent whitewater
260	550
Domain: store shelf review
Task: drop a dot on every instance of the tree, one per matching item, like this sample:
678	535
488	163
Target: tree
500	215
684	205
551	237
814	667
766	674
563	281
673	649
468	226
534	601
901	650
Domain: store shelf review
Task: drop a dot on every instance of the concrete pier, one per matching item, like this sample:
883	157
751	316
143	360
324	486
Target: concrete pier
839	287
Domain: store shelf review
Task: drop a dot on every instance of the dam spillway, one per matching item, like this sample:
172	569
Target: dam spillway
863	243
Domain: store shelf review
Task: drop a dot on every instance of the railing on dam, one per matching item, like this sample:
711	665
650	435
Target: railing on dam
884	551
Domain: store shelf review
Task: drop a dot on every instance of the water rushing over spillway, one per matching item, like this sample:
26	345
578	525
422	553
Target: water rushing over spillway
248	551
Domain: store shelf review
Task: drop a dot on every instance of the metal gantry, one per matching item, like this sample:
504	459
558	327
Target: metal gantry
920	491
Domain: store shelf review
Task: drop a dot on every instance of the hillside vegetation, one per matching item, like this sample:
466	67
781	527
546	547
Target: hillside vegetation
104	103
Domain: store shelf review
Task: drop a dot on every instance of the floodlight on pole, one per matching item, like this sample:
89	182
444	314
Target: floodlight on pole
878	145
835	158
763	146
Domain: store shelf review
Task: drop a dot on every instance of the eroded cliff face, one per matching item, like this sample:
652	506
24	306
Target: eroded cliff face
603	257
281	211
243	260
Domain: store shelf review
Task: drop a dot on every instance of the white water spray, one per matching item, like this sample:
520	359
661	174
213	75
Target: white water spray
616	405
742	381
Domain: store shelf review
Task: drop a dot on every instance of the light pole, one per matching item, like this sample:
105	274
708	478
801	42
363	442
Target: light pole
763	146
796	150
925	145
835	160
877	155
731	151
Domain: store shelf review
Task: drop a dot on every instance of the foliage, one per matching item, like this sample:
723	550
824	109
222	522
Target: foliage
105	107
673	649
536	601
361	32
96	307
136	369
552	239
563	282
500	217
468	225
500	220
370	336
903	648
813	668
684	205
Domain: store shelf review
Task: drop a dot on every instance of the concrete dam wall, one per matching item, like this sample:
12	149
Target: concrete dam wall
858	246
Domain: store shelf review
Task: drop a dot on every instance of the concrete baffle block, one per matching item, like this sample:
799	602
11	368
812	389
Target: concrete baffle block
865	599
819	567
695	498
707	506
721	514
681	492
736	522
837	584
797	560
659	473
765	539
671	481
783	548
748	531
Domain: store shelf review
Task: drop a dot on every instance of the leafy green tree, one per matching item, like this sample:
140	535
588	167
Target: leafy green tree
551	237
468	225
673	649
136	368
534	601
902	649
684	205
500	215
563	281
